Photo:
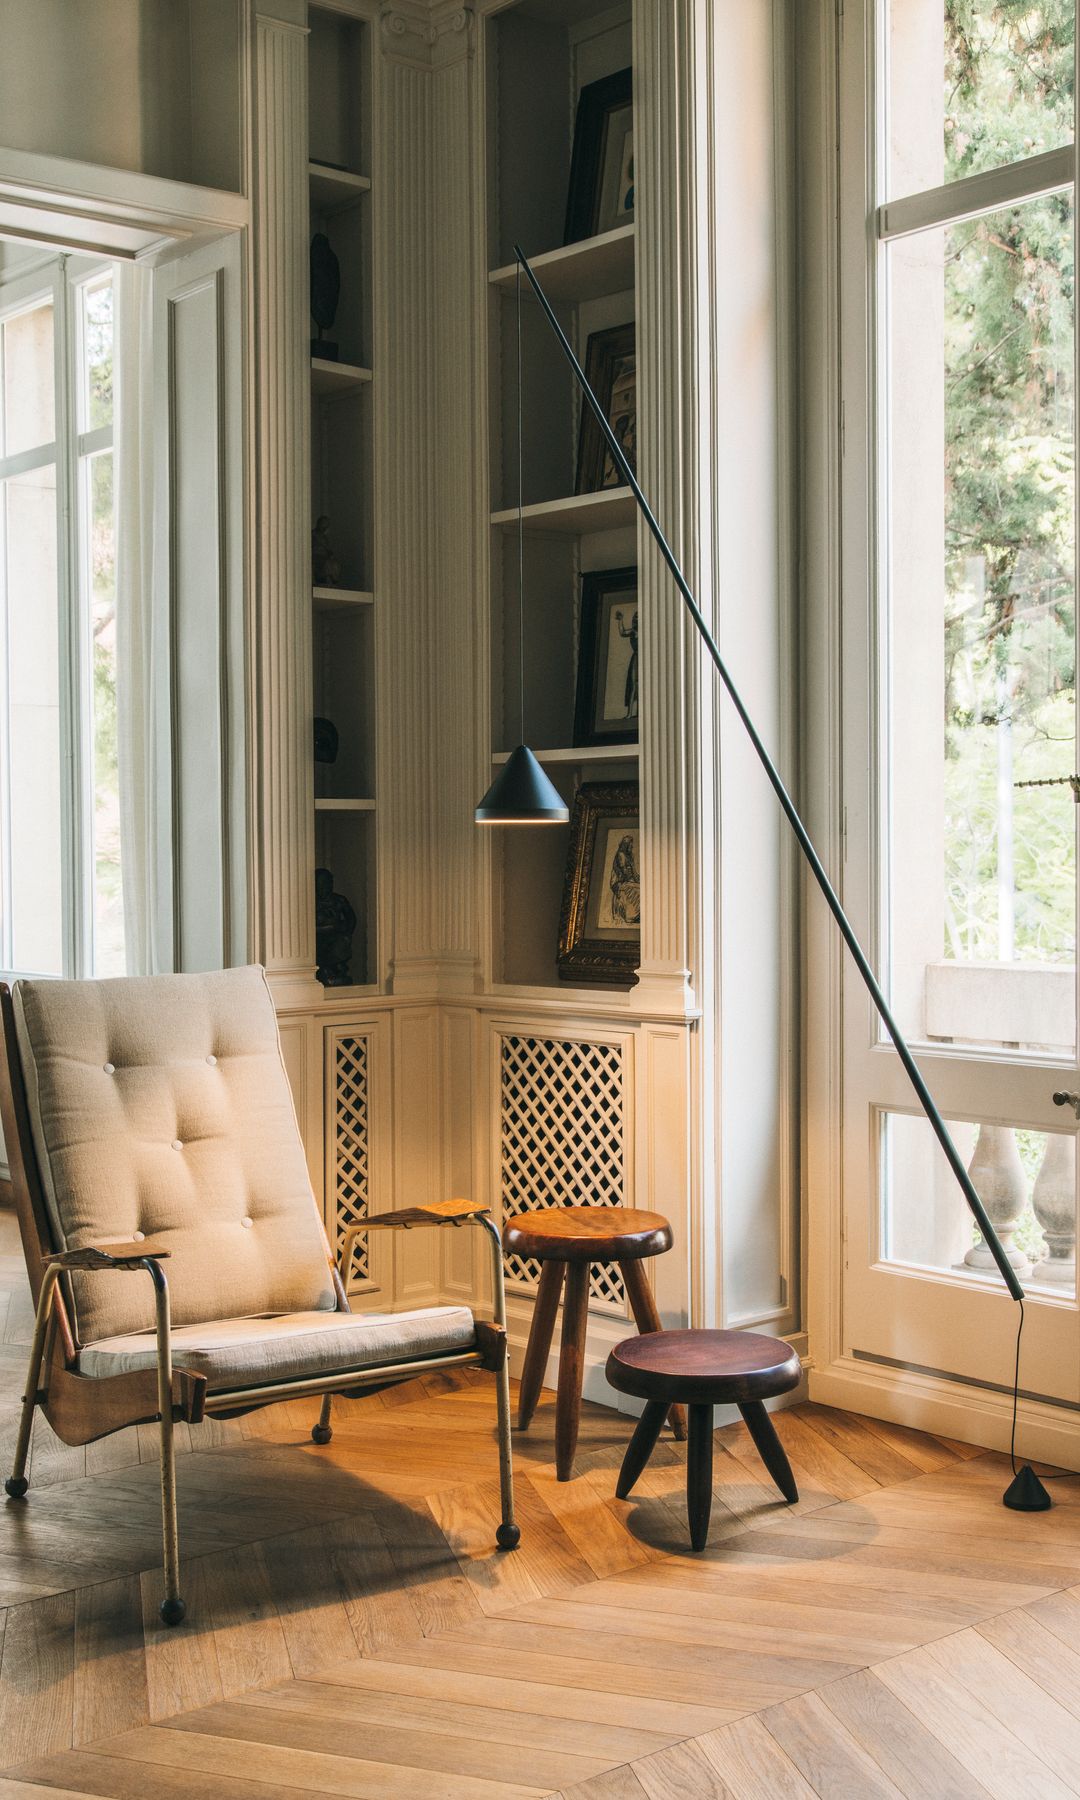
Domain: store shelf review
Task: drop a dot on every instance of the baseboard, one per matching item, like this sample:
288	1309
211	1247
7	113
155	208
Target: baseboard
950	1408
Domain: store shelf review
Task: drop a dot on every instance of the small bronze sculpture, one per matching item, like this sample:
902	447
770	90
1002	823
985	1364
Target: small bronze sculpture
325	290
325	567
326	741
335	923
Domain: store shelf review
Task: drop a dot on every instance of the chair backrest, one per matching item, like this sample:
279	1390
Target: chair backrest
159	1107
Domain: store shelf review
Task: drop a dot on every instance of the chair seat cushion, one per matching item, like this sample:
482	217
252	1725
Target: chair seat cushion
240	1353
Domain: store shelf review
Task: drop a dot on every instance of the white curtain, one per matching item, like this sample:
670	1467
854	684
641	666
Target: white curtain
134	516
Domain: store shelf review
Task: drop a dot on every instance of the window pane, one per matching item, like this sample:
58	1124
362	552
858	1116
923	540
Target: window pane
108	895
32	877
96	372
975	84
29	379
981	844
1025	1179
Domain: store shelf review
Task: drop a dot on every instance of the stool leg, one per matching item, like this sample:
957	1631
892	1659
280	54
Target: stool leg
646	1318
769	1447
536	1354
641	1446
571	1367
699	1475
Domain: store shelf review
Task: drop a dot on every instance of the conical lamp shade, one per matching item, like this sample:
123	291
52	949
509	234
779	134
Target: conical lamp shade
521	794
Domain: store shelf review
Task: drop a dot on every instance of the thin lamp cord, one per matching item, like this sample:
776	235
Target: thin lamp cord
521	517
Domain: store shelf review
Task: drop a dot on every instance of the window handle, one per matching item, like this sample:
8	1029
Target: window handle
1072	1100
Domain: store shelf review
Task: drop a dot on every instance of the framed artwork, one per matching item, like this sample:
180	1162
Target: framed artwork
607	684
601	193
611	372
600	928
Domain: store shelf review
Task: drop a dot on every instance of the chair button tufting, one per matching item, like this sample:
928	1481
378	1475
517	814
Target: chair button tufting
109	1068
177	1145
246	1222
212	1060
137	1237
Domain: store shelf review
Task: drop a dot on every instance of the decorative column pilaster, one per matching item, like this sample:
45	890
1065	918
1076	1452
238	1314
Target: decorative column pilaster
666	120
284	857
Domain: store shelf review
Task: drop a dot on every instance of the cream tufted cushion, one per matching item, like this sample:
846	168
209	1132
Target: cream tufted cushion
160	1106
235	1353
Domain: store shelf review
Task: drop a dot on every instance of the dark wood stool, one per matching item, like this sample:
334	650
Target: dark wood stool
706	1369
565	1240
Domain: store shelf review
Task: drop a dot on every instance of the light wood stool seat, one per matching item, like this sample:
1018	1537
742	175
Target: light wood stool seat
704	1369
565	1240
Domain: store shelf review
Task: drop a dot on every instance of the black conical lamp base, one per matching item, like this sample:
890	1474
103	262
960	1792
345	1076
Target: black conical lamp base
1026	1492
521	794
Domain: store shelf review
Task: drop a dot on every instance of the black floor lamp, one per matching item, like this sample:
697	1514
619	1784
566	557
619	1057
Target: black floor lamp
1026	1492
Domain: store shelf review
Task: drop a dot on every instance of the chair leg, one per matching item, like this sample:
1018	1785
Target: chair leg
17	1484
536	1353
323	1431
172	1608
699	1463
571	1367
769	1447
508	1534
646	1318
641	1446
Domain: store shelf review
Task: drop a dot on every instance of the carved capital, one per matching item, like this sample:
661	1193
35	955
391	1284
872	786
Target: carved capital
426	35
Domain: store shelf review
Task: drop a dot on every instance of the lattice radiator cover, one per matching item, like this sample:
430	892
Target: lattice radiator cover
562	1139
350	1144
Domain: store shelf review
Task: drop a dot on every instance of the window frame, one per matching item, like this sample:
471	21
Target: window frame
61	280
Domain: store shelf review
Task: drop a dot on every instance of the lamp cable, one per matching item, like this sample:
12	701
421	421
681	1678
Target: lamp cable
521	516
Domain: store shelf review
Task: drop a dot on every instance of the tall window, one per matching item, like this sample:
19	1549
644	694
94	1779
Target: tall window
61	905
977	495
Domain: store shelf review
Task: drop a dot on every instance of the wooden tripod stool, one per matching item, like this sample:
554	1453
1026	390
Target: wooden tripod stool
706	1369
565	1240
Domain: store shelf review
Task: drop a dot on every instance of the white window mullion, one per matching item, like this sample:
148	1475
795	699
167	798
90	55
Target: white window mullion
989	191
76	823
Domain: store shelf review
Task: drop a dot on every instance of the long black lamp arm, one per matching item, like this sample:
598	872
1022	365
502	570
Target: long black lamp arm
926	1100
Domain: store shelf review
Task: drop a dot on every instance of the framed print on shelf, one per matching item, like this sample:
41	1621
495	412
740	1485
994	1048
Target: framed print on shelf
600	927
611	371
606	711
601	192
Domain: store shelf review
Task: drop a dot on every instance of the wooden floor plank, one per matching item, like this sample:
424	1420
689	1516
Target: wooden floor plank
182	1667
968	1729
37	1679
110	1667
679	1772
917	1763
752	1765
617	1784
1050	1731
248	1637
832	1761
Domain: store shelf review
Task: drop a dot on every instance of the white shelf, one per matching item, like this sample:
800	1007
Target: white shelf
344	806
576	514
332	190
584	753
333	599
335	377
584	271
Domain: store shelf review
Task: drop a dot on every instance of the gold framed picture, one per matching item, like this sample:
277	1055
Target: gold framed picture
600	928
611	372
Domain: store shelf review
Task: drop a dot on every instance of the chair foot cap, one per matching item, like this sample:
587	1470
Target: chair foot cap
15	1487
172	1611
321	1434
508	1537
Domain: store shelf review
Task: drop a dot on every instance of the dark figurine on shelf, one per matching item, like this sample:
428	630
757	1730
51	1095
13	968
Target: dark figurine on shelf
326	741
335	923
325	567
325	291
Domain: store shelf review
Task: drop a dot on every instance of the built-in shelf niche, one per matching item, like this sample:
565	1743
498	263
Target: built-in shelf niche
540	54
344	612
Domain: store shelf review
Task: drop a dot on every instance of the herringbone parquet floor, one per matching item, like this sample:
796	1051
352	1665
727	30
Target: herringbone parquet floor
352	1632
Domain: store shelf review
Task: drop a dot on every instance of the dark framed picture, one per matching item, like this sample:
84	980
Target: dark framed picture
601	193
611	371
600	928
607	684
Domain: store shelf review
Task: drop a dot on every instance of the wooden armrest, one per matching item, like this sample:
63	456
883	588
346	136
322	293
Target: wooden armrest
107	1256
438	1212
